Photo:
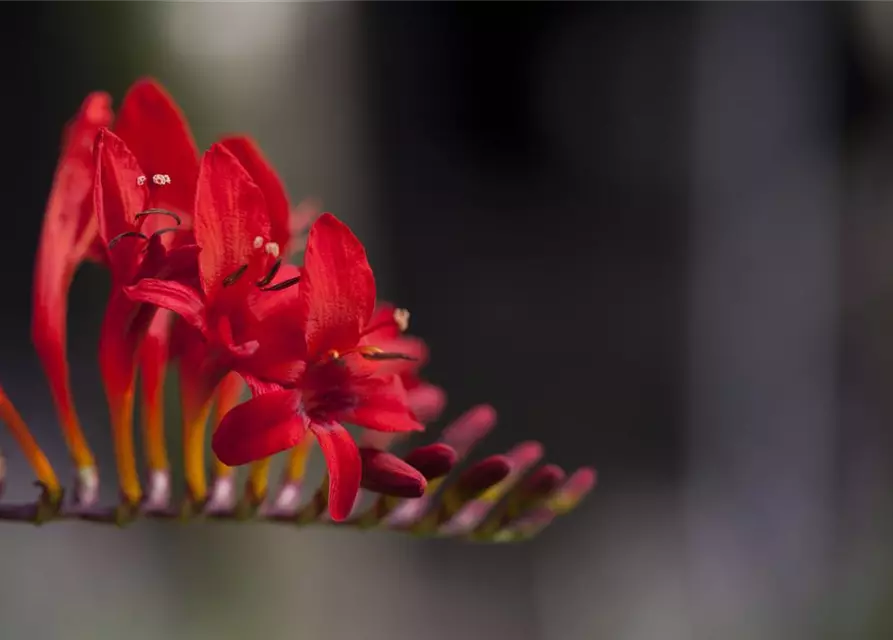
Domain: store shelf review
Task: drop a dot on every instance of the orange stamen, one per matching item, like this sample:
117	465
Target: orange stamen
194	422
121	413
229	393
297	460
258	480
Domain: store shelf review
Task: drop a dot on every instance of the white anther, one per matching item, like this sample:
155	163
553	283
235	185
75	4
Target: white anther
272	248
141	180
401	317
258	242
161	179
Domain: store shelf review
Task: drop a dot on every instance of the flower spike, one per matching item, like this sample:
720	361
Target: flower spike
215	273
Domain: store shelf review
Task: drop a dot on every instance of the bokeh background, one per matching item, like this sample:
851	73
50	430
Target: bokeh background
657	237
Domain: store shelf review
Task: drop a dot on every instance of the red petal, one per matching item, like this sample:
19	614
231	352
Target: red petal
69	230
123	327
259	428
154	358
434	460
384	328
271	320
154	128
200	374
180	263
238	350
414	348
185	301
260	387
153	361
229	214
117	198
387	474
337	290
344	465
277	307
263	174
382	420
381	406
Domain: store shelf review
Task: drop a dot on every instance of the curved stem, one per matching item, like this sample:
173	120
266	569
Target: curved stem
34	454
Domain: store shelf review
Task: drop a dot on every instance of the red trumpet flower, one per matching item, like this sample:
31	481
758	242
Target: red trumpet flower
144	187
198	252
343	378
242	283
69	231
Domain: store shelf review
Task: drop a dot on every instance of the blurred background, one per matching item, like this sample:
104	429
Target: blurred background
656	237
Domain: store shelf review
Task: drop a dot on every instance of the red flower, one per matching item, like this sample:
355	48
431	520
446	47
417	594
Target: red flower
144	187
310	344
344	378
241	283
239	295
68	234
386	331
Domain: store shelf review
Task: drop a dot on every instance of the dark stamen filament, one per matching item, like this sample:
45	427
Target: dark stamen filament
387	356
269	277
126	234
166	230
233	277
162	212
285	284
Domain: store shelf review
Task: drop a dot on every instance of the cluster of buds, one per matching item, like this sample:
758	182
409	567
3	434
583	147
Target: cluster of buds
241	291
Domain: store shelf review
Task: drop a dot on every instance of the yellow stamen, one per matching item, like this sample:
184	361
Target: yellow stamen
258	480
297	460
229	392
221	470
194	422
122	433
35	456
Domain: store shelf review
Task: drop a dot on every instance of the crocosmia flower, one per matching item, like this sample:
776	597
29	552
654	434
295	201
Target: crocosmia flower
213	272
66	240
343	378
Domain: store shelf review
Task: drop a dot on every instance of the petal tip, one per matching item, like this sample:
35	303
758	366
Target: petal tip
434	460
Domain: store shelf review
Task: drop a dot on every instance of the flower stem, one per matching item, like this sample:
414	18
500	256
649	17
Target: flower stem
35	456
